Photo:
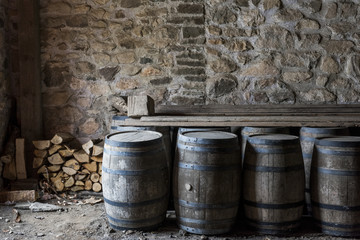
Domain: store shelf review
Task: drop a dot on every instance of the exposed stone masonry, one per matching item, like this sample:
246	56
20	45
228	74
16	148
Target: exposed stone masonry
193	52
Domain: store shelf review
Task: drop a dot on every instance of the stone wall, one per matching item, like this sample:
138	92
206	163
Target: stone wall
193	52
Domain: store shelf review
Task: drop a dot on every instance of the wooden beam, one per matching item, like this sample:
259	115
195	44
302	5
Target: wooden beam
20	158
29	104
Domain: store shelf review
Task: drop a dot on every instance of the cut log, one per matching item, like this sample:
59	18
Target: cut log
70	182
54	148
79	183
20	159
98	149
67	152
139	106
92	167
88	185
6	158
58	176
96	187
85	171
40	153
100	179
54	168
77	188
72	163
100	168
97	158
47	176
59	185
62	138
56	159
80	176
42	170
81	156
38	162
69	171
94	177
42	144
88	147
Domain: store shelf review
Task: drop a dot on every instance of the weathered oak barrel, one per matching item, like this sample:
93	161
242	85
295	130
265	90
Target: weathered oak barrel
249	131
165	131
135	180
335	185
206	185
273	183
307	140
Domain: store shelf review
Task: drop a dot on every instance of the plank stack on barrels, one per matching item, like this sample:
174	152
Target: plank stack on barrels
68	165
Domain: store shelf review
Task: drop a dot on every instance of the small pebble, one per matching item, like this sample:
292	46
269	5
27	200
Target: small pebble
182	232
128	232
1	218
7	220
112	231
83	215
40	234
39	217
203	237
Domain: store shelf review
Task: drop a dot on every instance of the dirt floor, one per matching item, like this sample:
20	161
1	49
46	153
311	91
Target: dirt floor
83	217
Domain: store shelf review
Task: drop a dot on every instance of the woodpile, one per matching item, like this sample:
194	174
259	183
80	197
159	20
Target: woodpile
67	165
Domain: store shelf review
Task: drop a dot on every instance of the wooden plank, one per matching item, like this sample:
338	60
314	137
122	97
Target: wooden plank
30	82
18	196
140	106
255	109
20	158
244	123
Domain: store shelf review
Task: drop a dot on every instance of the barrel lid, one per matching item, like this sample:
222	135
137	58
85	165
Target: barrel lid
202	129
209	135
122	139
273	139
324	130
345	141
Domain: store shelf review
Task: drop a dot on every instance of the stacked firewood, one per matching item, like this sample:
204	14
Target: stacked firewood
67	166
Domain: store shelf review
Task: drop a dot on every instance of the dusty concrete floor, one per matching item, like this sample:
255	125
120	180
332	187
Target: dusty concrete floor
86	221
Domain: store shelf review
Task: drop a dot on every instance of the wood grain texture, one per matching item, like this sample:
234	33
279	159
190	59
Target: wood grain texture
30	81
135	183
206	184
273	183
335	184
307	141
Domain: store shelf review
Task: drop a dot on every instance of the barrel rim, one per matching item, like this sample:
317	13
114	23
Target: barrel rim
254	140
187	139
203	129
324	130
115	143
325	142
263	128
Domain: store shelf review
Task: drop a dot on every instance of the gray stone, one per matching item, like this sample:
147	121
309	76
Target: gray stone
191	8
342	28
311	5
224	15
260	97
222	65
309	40
263	68
281	95
239	45
109	73
317	96
296	77
276	37
55	74
307	24
329	65
214	30
268	4
331	10
291	60
193	32
130	3
44	207
161	81
221	86
348	9
130	70
353	66
341	47
80	21
242	3
287	15
251	17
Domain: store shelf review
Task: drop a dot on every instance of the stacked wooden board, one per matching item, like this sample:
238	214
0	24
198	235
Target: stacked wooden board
66	165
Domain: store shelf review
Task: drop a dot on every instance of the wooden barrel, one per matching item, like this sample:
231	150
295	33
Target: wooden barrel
249	131
307	140
335	185
273	183
206	185
165	131
135	180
